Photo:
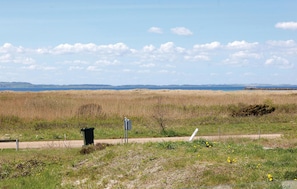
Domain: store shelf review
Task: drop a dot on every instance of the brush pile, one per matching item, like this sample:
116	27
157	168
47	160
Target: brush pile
253	110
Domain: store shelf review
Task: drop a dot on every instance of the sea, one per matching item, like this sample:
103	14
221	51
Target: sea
39	88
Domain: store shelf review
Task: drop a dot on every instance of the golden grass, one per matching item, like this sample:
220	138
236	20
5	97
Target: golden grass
63	104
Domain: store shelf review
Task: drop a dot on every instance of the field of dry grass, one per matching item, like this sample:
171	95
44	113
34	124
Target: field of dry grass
50	115
62	104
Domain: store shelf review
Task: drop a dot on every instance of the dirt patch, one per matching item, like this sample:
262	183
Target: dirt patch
91	148
21	169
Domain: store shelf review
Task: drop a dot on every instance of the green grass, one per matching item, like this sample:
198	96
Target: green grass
197	164
112	127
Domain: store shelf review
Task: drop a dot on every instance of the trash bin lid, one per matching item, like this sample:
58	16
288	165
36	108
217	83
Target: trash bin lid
86	128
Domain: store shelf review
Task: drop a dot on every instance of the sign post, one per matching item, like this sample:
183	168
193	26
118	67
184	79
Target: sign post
127	126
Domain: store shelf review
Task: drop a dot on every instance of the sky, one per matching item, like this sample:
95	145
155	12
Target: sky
159	42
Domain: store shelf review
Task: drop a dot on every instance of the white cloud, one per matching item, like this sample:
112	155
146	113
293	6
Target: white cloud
208	46
169	47
10	58
181	31
116	49
149	48
39	67
286	25
76	48
155	30
106	62
241	45
93	68
5	58
8	47
42	51
167	57
197	58
244	54
279	62
287	43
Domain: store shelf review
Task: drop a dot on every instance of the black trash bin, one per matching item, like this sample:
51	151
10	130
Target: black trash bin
88	135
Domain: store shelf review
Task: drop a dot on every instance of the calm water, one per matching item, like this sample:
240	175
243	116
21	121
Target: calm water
130	87
151	87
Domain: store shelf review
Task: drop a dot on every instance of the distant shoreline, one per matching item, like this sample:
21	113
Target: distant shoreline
28	87
269	88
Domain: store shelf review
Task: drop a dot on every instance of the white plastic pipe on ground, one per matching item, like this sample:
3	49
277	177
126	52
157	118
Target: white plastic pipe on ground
193	135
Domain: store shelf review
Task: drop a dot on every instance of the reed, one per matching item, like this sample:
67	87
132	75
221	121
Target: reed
135	103
173	112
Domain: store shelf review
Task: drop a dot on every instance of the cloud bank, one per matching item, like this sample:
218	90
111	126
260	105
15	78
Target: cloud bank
118	63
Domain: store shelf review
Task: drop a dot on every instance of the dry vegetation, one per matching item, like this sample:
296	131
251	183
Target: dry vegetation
51	115
135	103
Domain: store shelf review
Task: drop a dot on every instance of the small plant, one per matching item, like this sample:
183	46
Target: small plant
169	133
231	160
205	143
167	145
269	177
159	114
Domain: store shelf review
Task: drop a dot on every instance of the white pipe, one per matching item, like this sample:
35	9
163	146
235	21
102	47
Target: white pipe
17	144
193	135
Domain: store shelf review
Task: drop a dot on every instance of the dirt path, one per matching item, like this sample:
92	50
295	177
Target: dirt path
79	143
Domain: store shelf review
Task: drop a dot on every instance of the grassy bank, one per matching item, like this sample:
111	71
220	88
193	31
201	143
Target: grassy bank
238	163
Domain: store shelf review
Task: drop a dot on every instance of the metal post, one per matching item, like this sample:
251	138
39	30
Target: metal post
125	131
127	136
127	126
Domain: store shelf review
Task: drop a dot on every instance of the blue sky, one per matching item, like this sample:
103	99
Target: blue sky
121	42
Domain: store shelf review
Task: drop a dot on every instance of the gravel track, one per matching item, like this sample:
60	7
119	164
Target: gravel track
79	143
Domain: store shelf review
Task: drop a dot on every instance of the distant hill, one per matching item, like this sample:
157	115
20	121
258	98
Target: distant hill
29	85
15	84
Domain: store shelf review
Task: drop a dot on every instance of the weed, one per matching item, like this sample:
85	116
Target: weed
168	145
290	175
